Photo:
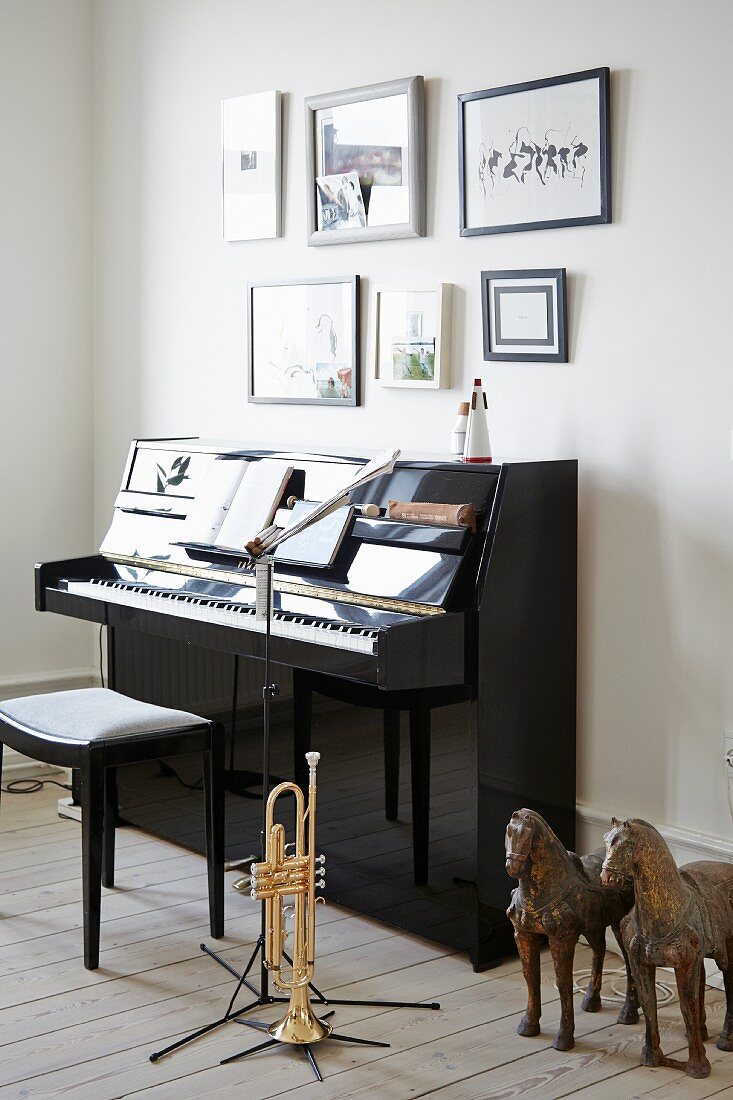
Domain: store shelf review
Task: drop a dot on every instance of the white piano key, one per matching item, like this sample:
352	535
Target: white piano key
241	616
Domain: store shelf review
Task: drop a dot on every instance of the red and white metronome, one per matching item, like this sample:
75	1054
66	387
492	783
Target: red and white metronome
478	446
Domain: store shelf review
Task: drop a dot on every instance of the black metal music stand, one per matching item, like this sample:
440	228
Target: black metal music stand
262	995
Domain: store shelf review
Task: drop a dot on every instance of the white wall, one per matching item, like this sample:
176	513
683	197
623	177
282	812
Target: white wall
646	403
46	316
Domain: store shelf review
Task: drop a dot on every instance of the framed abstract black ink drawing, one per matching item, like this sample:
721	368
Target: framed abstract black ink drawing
525	316
535	155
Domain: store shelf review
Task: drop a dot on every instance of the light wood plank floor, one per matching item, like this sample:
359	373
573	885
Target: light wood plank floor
64	1031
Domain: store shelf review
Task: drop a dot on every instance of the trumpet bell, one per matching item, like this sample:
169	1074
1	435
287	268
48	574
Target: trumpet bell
300	1024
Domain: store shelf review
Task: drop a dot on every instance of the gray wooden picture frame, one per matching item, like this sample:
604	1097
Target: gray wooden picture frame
416	225
354	345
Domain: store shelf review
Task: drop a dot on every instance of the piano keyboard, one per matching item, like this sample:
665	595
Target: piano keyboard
241	616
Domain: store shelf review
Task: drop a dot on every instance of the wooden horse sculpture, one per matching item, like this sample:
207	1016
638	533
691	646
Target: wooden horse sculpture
560	896
679	919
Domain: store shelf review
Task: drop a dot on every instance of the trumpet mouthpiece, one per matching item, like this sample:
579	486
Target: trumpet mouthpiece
312	758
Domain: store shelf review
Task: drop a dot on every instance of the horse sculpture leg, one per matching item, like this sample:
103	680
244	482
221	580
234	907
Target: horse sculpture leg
592	998
528	945
629	1013
688	986
703	1014
563	952
725	1042
644	977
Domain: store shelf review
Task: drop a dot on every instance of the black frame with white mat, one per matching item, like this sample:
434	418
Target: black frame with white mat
535	155
525	318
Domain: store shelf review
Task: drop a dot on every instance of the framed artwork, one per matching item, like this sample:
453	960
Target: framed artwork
365	163
250	136
412	336
525	316
535	155
303	341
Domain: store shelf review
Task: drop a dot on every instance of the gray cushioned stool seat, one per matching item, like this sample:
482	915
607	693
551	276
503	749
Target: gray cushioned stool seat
91	714
95	731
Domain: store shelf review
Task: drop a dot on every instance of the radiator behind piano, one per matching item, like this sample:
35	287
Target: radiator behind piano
172	674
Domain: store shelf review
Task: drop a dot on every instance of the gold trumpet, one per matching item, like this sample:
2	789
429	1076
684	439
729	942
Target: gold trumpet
280	876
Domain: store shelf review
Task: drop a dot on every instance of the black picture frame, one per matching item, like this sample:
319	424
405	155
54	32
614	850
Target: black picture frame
602	76
354	345
552	288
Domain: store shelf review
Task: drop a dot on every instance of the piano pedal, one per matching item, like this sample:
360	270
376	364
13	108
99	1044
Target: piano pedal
243	884
66	807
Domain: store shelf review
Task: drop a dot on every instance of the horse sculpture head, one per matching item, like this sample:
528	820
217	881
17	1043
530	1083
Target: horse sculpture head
620	840
518	840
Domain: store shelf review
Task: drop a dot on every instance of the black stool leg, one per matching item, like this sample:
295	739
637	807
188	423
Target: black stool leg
213	761
91	792
110	824
420	766
1	764
302	724
391	763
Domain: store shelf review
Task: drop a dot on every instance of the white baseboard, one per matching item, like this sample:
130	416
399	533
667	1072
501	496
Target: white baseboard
686	844
37	683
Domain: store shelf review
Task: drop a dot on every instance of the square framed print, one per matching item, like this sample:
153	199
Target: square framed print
525	316
365	163
535	155
250	135
412	336
303	341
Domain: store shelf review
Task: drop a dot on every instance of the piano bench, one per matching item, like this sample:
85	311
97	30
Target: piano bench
96	730
418	703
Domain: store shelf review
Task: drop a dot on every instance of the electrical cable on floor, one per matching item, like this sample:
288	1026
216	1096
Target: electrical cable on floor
170	773
665	993
20	786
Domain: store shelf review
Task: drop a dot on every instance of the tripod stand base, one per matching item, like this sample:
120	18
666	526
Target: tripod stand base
304	1045
263	998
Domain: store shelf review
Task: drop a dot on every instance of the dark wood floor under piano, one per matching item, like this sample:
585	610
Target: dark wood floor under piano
368	859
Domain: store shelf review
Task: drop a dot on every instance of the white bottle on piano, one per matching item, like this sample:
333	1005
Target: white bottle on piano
458	431
478	444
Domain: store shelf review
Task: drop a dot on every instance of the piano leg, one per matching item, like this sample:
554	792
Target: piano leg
391	763
213	769
420	763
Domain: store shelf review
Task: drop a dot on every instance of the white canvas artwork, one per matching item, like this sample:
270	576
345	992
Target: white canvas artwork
250	127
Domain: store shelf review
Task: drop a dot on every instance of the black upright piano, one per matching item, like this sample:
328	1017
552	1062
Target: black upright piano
406	611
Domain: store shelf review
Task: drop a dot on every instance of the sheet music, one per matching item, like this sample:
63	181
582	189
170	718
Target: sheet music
383	463
213	500
254	502
318	544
